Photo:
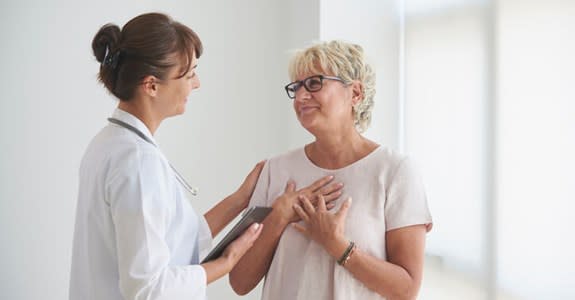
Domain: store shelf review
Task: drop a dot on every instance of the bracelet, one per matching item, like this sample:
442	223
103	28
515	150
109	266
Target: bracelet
346	254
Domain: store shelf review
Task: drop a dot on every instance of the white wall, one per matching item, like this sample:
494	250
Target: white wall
514	151
51	106
445	127
536	147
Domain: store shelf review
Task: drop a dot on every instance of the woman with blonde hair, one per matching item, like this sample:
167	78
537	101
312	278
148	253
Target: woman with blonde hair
371	249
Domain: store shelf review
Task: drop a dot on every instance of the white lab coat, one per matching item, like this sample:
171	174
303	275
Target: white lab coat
136	234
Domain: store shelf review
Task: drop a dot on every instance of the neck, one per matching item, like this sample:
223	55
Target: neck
143	112
335	150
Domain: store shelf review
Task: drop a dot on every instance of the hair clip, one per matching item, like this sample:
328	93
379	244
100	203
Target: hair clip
111	59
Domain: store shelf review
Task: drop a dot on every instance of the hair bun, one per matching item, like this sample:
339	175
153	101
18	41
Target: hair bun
107	37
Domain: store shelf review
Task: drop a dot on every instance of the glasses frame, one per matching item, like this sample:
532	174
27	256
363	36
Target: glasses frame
304	82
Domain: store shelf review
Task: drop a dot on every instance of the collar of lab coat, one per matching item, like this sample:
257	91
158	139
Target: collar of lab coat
127	117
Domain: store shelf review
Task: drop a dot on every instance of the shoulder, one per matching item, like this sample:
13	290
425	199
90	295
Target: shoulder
117	152
392	165
286	159
386	158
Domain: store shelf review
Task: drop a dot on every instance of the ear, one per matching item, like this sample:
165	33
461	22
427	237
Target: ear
150	85
356	92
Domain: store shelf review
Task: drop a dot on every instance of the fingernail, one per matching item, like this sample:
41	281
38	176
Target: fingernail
256	226
349	200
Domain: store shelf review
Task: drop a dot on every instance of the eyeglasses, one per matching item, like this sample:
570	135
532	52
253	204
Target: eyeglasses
311	84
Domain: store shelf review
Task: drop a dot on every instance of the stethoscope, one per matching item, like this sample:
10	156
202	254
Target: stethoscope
180	178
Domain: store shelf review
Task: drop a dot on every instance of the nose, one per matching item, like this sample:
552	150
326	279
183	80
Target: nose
196	82
302	94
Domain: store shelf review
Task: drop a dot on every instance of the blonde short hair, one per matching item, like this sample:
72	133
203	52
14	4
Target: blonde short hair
344	60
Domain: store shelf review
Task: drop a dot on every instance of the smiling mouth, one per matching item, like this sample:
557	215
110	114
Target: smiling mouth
305	110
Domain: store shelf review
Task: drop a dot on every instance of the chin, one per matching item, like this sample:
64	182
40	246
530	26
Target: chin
308	126
308	119
178	112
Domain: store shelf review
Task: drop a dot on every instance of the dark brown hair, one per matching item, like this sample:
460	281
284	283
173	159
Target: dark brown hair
149	44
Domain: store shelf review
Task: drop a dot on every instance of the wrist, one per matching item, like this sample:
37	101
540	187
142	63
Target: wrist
336	247
228	261
241	200
278	216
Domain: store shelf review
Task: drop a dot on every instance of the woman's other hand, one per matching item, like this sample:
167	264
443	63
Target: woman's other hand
245	191
324	227
284	204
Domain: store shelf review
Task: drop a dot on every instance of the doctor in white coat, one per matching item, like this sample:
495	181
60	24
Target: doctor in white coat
136	234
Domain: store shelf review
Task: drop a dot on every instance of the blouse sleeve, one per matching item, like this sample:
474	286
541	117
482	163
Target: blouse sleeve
140	216
406	202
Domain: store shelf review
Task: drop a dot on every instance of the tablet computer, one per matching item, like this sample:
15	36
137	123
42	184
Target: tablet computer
252	215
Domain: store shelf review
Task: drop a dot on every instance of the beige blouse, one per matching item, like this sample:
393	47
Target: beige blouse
387	194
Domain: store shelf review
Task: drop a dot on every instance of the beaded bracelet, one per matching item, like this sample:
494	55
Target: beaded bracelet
346	254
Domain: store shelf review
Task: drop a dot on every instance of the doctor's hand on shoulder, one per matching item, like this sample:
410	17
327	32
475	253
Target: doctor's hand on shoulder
246	190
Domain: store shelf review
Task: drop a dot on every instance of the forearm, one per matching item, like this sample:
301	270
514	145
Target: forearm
253	266
219	216
387	279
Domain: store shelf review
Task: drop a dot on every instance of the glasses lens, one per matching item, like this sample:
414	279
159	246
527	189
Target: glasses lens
292	88
313	84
